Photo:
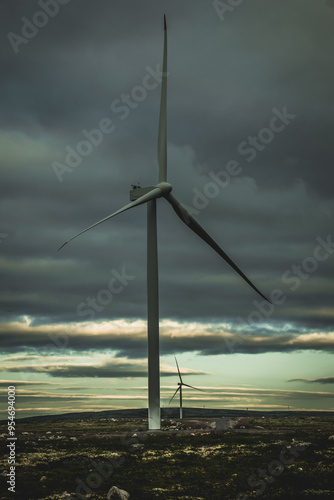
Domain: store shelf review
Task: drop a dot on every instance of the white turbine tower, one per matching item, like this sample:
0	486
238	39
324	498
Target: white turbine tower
149	195
180	384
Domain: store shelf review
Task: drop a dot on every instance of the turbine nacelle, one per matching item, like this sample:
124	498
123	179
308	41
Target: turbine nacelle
139	191
164	187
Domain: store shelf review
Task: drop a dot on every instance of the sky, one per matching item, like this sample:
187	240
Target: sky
250	154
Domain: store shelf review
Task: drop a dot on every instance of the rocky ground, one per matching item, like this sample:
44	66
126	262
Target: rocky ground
193	458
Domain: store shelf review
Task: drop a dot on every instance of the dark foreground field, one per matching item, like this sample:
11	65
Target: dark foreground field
272	457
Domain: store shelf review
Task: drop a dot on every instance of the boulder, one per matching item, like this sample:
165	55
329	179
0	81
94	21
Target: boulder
233	423
221	425
244	423
116	494
136	446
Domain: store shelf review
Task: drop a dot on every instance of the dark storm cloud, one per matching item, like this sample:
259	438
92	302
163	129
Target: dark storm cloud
323	380
6	383
225	80
106	369
79	371
129	340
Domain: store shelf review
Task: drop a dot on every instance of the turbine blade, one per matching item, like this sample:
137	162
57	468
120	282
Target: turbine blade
189	220
178	369
162	136
155	193
174	394
193	387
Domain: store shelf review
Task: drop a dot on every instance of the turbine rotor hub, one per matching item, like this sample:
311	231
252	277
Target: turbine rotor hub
165	188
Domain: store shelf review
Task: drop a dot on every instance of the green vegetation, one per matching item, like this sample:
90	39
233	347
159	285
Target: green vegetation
189	464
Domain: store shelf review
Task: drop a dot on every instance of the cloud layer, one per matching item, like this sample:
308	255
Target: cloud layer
250	154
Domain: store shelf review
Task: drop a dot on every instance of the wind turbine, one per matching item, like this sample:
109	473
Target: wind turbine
180	384
149	195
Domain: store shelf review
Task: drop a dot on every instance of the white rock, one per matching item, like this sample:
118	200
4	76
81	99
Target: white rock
300	443
116	494
136	446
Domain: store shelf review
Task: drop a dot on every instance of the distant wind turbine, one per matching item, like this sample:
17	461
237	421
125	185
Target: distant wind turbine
149	195
180	384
